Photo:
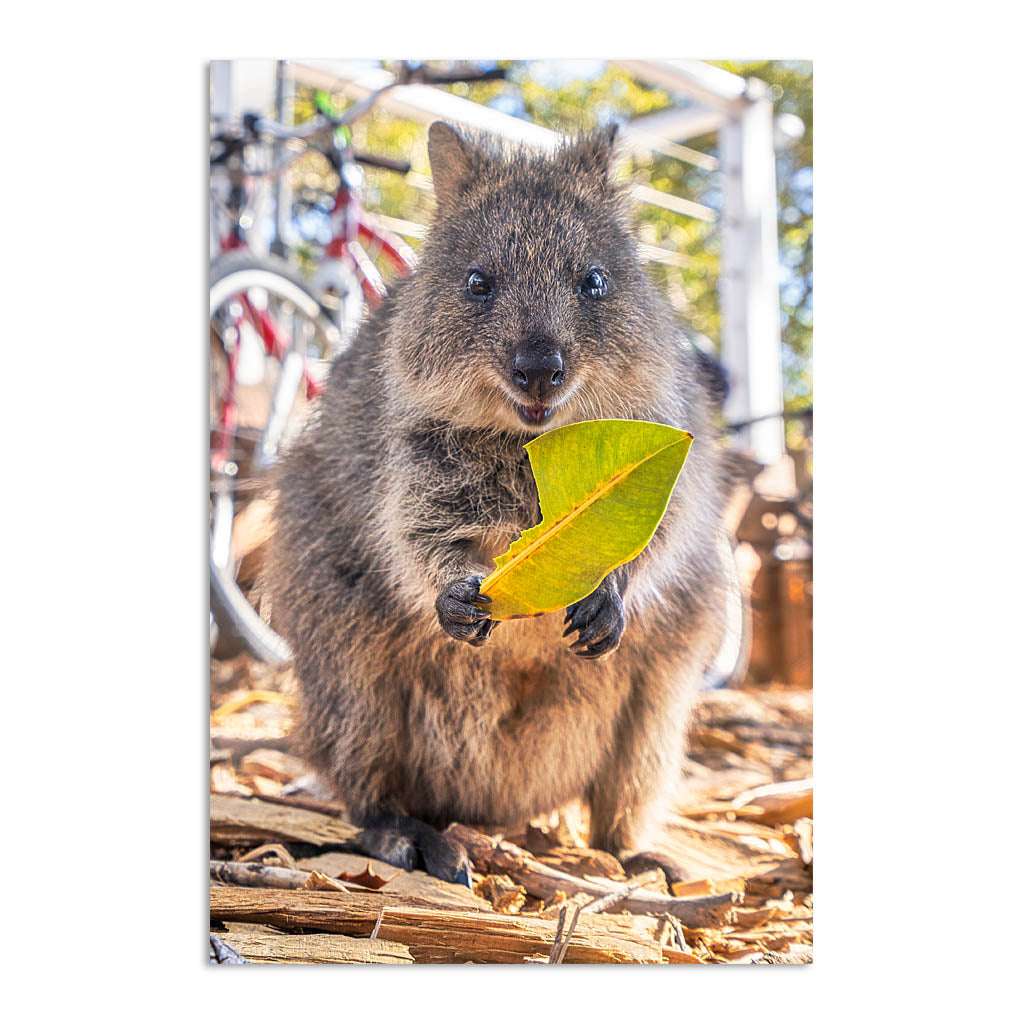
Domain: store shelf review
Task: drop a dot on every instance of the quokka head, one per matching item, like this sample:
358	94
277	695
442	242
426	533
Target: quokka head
530	308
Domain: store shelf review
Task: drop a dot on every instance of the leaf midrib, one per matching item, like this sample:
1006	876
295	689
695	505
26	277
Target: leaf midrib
561	524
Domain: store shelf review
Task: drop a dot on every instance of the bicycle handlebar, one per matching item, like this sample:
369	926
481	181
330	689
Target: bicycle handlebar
424	76
324	125
304	132
384	162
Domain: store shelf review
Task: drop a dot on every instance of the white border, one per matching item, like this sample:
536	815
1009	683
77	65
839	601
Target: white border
917	367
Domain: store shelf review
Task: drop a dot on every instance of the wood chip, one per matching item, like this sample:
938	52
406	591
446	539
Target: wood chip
504	895
679	956
265	787
270	850
223	780
779	803
417	884
319	882
273	764
500	857
742	835
262	945
584	862
243	700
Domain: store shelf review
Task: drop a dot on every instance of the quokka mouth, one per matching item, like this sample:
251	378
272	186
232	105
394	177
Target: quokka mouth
534	414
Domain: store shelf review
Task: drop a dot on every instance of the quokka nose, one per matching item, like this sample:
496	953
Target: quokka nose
538	371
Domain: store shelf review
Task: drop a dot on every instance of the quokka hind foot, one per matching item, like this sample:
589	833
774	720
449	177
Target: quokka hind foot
411	844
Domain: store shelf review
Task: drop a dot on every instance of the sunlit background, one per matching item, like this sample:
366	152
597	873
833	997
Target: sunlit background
678	121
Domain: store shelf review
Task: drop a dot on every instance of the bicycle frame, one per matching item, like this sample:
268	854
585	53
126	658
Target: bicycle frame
350	271
276	345
353	235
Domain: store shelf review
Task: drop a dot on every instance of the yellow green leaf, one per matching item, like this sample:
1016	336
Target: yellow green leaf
603	486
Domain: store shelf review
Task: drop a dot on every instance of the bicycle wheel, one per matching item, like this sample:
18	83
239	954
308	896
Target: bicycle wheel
338	290
270	343
733	657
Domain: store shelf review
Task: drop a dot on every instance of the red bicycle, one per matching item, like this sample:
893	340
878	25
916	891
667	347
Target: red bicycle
273	336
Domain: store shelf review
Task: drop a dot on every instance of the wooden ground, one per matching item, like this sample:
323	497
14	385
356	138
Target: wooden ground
281	891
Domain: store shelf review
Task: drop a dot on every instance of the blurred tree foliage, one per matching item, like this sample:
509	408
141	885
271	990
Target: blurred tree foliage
570	96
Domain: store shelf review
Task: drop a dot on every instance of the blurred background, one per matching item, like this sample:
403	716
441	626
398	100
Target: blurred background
320	182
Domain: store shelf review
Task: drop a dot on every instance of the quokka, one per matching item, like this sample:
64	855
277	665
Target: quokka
529	309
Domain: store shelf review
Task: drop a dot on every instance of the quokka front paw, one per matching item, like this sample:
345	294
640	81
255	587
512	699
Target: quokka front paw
600	619
459	613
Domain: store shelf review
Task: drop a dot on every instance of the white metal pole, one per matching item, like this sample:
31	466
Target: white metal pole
751	333
714	87
220	88
220	109
283	198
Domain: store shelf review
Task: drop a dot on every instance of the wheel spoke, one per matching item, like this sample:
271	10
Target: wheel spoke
282	311
285	391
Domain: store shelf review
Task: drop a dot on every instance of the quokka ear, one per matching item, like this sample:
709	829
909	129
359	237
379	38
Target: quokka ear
454	161
591	154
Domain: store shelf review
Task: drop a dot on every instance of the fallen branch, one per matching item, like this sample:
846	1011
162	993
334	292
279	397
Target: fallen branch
416	884
266	876
561	943
609	900
779	802
494	856
438	936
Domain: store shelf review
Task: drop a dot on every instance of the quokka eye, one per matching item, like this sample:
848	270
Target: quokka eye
478	287
594	284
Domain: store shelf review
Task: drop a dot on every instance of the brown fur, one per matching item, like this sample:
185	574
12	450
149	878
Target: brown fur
413	475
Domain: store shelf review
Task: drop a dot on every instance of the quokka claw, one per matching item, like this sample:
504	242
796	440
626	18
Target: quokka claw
458	614
600	620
